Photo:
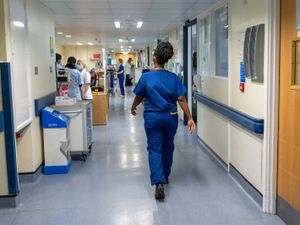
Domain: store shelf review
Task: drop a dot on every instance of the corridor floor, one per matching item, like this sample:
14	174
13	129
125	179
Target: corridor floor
112	186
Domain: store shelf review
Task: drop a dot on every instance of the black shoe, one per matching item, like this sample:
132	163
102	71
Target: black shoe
159	192
166	180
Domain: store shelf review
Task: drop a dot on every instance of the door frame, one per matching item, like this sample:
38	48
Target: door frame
270	147
188	24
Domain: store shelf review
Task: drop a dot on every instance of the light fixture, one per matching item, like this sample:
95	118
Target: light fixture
68	35
120	40
121	46
133	40
18	24
117	24
139	24
226	26
130	46
60	32
103	49
90	43
79	43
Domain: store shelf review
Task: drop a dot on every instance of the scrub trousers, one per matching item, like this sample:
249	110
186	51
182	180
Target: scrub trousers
121	83
112	80
160	131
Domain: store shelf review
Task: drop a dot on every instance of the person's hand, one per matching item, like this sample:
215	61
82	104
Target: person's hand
191	126
133	111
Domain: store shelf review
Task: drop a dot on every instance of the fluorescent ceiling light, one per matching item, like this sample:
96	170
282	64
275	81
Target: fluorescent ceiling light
130	46
68	35
79	43
18	24
117	24
121	46
139	24
90	43
120	40
60	33
133	40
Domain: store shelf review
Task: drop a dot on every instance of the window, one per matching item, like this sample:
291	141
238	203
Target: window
213	43
205	46
221	42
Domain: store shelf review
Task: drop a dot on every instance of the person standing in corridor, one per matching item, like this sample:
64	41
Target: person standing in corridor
161	91
120	74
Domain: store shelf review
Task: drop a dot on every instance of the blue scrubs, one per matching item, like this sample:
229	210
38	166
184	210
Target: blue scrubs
121	79
161	90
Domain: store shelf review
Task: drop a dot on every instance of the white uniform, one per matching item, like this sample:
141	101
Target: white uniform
86	78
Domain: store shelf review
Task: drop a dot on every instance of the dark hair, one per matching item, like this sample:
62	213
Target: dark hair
71	62
57	57
163	52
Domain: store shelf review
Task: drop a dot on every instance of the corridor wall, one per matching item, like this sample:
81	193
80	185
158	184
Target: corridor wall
40	32
233	144
84	53
3	57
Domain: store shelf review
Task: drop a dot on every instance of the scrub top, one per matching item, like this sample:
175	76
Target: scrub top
121	68
75	82
161	90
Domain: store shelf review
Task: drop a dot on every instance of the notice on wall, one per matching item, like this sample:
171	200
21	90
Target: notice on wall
240	45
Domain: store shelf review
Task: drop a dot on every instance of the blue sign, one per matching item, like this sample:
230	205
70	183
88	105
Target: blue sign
242	73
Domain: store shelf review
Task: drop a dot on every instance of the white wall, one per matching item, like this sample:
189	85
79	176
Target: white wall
40	29
245	148
232	143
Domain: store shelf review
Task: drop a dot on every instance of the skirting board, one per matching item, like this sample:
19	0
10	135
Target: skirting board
9	202
31	177
287	213
254	194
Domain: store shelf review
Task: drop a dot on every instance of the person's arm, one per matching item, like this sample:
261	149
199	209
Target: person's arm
137	100
183	104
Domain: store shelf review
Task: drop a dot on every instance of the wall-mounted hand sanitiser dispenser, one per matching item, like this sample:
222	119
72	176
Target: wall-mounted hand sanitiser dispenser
254	52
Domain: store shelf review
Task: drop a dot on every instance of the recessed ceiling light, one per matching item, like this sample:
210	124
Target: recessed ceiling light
139	24
60	32
130	46
18	24
117	24
121	46
79	43
68	35
90	43
120	40
133	40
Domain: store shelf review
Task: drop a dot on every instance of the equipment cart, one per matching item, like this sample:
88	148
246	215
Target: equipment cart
81	129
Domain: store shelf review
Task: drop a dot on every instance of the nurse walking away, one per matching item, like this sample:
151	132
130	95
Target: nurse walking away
74	87
161	90
120	74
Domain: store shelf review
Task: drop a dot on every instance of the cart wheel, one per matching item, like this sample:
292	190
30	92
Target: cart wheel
83	157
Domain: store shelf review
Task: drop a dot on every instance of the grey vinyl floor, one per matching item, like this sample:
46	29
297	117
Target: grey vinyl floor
112	187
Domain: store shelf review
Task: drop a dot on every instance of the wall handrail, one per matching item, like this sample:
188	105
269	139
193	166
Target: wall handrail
42	102
250	123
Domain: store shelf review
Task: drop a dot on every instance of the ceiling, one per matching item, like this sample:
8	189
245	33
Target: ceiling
93	20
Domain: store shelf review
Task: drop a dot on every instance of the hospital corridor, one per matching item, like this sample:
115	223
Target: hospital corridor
149	112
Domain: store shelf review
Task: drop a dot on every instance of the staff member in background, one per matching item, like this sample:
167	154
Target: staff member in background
75	79
86	80
161	90
128	72
120	74
58	64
